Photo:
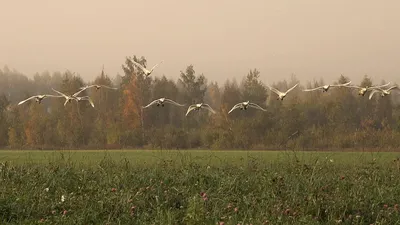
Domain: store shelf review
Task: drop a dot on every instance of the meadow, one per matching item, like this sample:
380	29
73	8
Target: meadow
199	187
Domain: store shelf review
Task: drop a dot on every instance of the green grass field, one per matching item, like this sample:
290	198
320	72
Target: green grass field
199	187
205	157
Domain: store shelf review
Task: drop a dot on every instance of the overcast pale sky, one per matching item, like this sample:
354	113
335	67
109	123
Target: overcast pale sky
221	38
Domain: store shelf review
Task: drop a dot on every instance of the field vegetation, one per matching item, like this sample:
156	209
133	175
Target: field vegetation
87	186
199	187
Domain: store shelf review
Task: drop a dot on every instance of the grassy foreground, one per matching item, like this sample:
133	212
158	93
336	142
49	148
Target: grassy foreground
198	187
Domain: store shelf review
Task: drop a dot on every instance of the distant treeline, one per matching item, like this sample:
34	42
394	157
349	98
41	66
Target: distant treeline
337	119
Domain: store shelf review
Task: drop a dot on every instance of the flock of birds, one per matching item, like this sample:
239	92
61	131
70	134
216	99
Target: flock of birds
68	98
242	106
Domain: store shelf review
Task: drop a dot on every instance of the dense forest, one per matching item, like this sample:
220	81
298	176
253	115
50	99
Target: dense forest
337	119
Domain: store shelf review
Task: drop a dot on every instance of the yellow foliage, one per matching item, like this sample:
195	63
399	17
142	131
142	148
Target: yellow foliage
131	109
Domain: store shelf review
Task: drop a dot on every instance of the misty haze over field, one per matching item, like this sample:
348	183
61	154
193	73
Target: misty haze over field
222	39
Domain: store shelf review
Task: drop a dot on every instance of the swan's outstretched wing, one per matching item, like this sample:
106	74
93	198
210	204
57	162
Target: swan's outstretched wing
235	107
207	106
53	96
87	98
341	85
381	86
172	102
377	89
104	86
22	102
86	87
151	103
292	88
155	66
354	86
95	85
192	107
91	102
78	92
66	101
391	88
62	94
275	90
314	89
372	94
139	66
253	105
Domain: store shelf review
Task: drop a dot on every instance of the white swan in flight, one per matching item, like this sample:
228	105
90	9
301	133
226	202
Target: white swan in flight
161	102
363	90
39	98
383	92
282	95
325	88
85	98
69	98
97	86
146	71
198	107
245	105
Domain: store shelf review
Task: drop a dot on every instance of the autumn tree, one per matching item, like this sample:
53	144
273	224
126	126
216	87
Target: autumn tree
105	127
73	123
193	87
253	89
135	93
4	103
213	95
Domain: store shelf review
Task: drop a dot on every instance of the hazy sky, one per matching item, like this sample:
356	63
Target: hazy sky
221	38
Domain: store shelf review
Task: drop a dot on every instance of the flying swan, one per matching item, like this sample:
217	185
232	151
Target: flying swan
363	90
39	98
282	95
245	105
97	86
69	98
146	71
325	88
198	107
161	102
383	92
